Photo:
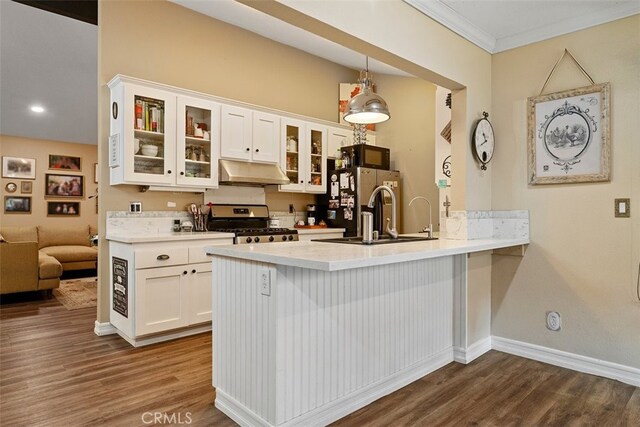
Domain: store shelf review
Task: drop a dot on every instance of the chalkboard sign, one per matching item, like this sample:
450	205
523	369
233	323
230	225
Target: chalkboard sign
120	286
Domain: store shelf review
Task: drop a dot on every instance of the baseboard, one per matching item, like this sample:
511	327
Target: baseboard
165	336
471	353
343	406
576	362
105	328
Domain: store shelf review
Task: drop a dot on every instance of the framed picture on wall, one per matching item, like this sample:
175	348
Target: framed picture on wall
17	204
64	162
63	208
26	187
18	167
568	136
64	185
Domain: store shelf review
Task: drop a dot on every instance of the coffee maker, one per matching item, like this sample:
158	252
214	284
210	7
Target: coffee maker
312	215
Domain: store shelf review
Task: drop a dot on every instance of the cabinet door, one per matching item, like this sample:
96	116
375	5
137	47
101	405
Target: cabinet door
338	138
235	129
198	142
200	293
162	302
149	142
292	145
266	138
317	159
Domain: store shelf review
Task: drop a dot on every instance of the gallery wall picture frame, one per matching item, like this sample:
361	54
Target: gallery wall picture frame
64	185
26	187
17	205
70	163
18	167
65	208
568	136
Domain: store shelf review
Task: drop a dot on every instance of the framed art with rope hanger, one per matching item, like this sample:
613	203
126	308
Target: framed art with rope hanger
568	133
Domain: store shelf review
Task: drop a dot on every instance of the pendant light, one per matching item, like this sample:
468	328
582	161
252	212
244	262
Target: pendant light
366	107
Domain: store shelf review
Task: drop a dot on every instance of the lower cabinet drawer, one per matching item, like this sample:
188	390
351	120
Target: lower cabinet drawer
158	257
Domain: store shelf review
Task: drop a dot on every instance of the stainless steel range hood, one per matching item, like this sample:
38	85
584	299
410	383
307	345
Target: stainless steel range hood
234	172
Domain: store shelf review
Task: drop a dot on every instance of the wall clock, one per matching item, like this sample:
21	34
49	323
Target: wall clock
10	187
484	141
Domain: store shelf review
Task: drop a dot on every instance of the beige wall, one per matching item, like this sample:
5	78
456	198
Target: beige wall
580	259
192	51
39	149
410	136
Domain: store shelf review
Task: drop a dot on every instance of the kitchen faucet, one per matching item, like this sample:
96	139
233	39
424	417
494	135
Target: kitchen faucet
391	231
429	229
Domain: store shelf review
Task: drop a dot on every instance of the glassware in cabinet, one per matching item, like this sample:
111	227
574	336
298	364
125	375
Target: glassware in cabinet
292	134
198	142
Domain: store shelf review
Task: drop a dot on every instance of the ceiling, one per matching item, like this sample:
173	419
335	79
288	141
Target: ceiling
52	60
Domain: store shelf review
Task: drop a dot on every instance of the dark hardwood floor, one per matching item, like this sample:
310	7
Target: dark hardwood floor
55	372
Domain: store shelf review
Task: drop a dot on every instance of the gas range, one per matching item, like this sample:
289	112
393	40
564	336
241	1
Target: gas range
249	223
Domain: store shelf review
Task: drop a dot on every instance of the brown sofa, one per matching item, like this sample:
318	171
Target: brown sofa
34	257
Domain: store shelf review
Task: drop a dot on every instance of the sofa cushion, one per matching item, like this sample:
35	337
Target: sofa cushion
56	236
48	266
71	253
20	234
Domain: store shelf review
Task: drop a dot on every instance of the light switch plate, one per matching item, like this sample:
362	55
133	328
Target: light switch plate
622	208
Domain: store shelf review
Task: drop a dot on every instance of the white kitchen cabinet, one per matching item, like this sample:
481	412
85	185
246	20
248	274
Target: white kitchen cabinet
161	302
266	138
306	235
304	156
151	143
338	137
159	292
200	293
249	135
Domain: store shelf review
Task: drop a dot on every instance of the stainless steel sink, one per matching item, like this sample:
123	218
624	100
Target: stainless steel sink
381	241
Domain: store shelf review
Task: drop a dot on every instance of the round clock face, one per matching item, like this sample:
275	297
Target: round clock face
484	141
10	187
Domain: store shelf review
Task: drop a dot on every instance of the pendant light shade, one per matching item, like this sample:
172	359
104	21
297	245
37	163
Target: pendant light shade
367	106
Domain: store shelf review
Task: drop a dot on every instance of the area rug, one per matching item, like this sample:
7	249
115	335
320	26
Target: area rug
77	293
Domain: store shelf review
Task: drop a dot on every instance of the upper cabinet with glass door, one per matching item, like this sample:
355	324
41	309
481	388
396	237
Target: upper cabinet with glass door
293	137
157	137
198	142
316	159
143	137
304	156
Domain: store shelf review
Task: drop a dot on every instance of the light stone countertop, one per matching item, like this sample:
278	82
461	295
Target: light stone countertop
337	256
168	237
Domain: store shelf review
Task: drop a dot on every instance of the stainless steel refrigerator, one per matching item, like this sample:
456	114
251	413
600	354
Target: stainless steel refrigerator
348	193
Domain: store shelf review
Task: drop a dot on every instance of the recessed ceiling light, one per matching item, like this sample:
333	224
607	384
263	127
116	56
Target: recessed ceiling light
37	109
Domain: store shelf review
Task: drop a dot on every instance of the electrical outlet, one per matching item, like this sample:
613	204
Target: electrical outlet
291	208
265	282
135	207
554	322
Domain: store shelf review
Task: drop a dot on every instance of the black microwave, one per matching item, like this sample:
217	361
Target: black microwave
368	156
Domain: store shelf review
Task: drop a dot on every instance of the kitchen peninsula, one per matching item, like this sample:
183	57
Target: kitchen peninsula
308	332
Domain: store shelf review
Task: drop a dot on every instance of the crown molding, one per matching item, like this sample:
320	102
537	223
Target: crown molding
446	16
567	26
